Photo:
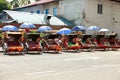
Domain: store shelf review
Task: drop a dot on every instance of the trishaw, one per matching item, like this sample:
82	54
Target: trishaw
11	43
113	42
50	43
68	43
118	42
33	43
101	42
86	42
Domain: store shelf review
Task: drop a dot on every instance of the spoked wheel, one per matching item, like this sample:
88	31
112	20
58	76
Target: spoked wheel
40	52
57	51
45	49
78	50
4	47
114	48
60	52
22	53
104	49
26	51
4	50
89	49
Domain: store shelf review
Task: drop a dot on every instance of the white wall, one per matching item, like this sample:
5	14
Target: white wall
42	7
93	18
50	6
110	10
72	9
29	9
116	15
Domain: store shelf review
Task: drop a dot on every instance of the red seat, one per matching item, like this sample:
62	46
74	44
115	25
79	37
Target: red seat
68	46
34	46
52	45
14	46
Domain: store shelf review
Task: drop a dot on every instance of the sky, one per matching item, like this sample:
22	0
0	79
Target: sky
11	0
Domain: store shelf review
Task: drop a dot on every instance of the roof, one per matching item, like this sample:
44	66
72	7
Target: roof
21	17
35	3
34	18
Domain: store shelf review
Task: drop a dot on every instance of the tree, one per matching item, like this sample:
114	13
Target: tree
24	2
4	5
14	3
37	0
19	3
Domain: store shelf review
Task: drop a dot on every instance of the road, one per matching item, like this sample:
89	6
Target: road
97	65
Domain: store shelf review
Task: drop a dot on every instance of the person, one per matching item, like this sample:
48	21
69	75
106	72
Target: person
63	39
12	38
24	33
76	39
22	39
56	40
38	39
88	41
5	37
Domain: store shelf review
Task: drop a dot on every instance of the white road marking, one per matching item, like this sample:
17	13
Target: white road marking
106	65
37	73
75	59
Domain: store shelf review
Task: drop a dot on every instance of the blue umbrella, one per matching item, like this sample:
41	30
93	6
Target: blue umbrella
9	28
78	28
27	25
44	28
93	28
64	31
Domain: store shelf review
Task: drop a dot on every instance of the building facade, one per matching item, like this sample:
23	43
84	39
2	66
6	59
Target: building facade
41	7
102	13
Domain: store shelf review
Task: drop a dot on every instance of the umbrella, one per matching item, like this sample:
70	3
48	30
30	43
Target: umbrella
78	28
64	31
103	30
9	28
44	28
93	28
27	25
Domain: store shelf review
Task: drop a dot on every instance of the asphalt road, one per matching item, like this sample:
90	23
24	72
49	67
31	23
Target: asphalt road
97	65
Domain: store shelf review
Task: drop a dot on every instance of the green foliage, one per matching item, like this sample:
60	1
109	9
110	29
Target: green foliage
19	3
15	3
37	0
4	5
33	31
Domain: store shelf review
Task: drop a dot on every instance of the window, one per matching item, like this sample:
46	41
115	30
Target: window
38	11
100	9
46	11
55	11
